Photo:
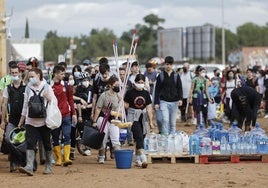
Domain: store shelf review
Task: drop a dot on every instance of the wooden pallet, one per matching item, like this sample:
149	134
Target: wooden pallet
210	159
171	158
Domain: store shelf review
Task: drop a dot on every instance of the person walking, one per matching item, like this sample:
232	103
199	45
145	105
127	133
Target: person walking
168	96
111	131
35	125
13	96
139	111
199	95
64	94
186	81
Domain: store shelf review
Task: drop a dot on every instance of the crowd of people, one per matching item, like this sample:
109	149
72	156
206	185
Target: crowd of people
146	99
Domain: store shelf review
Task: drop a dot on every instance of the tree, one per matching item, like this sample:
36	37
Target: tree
153	20
27	35
54	45
231	42
250	34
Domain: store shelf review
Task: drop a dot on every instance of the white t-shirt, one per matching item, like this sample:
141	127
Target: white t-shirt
186	81
230	85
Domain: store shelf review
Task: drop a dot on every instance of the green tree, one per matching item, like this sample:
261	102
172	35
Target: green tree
27	35
54	45
153	20
250	34
231	43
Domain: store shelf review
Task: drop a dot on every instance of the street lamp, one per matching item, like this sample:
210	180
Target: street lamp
223	34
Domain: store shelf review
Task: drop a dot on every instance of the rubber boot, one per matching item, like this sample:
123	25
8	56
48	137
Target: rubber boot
28	169
72	154
57	152
41	152
13	166
48	164
67	150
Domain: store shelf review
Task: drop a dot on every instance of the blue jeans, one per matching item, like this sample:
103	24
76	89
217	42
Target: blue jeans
169	114
65	127
159	119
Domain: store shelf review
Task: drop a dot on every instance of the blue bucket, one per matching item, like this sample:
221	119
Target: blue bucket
123	158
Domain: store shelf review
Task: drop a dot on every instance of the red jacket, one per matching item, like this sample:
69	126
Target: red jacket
65	104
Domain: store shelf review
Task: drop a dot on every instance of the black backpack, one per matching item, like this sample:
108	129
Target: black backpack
36	105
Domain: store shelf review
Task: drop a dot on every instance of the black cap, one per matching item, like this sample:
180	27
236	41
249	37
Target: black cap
135	63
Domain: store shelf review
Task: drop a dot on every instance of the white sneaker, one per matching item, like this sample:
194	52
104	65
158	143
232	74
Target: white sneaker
87	152
266	116
138	161
194	121
143	161
101	159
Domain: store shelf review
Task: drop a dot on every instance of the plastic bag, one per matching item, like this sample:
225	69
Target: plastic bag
54	118
212	111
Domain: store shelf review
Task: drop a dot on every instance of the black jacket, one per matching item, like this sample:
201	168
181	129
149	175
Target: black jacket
168	89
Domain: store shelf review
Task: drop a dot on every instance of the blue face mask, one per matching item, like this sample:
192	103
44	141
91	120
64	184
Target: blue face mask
15	78
33	81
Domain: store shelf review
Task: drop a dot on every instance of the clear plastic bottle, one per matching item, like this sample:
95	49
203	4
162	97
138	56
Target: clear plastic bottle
223	146
258	138
146	143
194	145
211	128
257	130
221	132
201	131
171	144
152	142
178	143
234	134
205	146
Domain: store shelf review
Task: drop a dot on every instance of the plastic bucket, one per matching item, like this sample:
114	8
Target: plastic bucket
123	158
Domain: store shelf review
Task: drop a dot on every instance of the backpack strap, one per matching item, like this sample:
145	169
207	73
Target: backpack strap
175	77
41	91
162	77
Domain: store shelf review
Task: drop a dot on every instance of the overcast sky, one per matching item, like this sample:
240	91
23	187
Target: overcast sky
75	17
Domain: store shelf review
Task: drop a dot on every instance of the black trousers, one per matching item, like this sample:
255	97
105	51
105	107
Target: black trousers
247	114
138	135
183	108
32	135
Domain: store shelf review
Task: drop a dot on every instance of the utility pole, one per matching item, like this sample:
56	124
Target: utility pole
223	34
3	53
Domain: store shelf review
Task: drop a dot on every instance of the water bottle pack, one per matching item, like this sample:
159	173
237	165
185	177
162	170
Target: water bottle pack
212	141
163	143
216	140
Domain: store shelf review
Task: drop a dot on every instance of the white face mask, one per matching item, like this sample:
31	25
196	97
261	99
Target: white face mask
203	74
15	78
71	82
76	74
85	84
139	86
33	81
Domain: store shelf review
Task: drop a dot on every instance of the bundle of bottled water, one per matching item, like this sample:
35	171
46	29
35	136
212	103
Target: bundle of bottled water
175	143
217	140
